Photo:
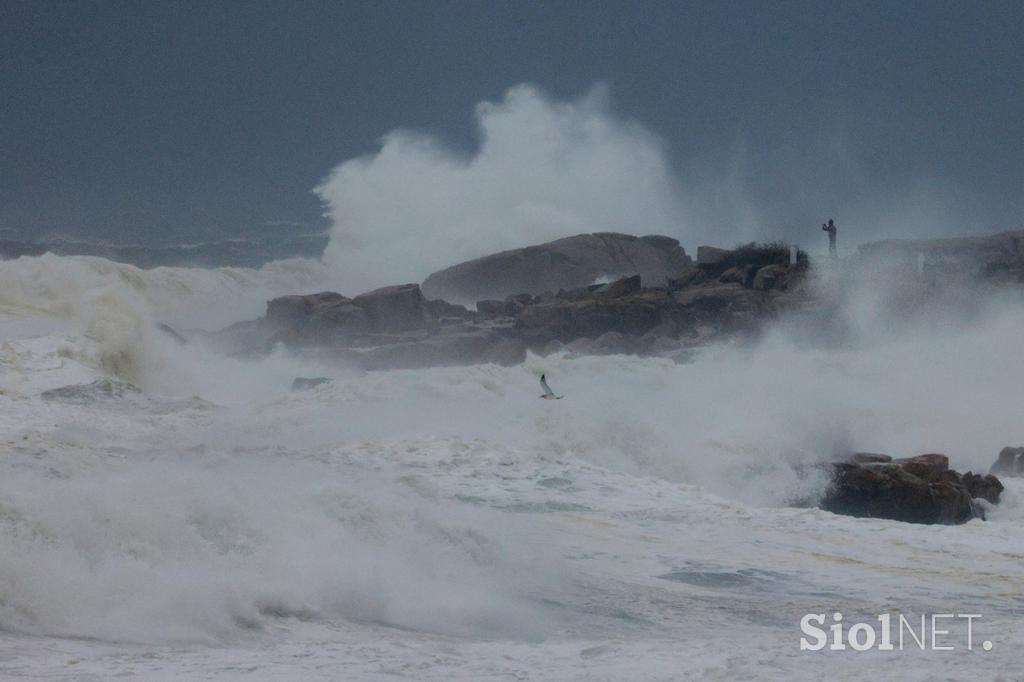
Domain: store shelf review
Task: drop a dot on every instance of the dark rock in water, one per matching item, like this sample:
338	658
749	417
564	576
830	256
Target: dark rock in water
290	309
398	327
890	492
329	318
924	465
916	489
568	263
984	486
326	322
305	383
395	308
1010	462
101	389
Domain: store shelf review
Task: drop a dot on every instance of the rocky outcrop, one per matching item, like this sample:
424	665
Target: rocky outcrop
568	263
592	315
1009	463
388	328
394	309
398	327
919	489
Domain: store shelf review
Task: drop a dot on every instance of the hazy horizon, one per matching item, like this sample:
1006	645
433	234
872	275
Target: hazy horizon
186	122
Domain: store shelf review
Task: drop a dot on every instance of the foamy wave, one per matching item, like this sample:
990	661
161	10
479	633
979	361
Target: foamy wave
69	286
116	306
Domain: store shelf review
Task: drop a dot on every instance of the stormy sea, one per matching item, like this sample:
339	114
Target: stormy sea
169	510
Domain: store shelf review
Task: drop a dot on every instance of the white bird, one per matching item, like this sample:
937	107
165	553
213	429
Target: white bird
548	393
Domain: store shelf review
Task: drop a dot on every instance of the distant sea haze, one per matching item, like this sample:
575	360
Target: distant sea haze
251	253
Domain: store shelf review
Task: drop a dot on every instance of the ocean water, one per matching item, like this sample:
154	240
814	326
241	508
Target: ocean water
170	513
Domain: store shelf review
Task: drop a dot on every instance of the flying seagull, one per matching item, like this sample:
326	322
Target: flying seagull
548	393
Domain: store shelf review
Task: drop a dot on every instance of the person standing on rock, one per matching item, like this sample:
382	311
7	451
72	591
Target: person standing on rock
830	227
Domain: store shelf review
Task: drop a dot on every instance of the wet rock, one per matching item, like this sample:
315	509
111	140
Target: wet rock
394	308
568	263
918	489
924	465
1009	463
984	486
566	320
623	316
291	309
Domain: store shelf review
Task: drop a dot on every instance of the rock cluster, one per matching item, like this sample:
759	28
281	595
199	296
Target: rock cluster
397	326
920	489
389	328
1009	463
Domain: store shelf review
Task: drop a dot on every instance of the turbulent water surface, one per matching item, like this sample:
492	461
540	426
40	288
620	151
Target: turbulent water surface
170	513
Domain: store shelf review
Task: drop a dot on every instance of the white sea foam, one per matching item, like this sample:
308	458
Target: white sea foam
447	523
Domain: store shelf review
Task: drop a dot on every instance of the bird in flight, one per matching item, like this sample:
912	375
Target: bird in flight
548	393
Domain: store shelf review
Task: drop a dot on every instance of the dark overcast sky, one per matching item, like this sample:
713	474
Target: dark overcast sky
175	120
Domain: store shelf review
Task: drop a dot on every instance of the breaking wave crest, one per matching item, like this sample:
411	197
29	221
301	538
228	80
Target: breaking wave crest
119	305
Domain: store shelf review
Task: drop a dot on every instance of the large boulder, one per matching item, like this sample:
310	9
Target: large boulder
292	309
568	263
984	486
591	317
394	309
918	489
307	320
1010	462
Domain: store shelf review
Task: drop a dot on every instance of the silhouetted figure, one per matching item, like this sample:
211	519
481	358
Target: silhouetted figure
830	227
